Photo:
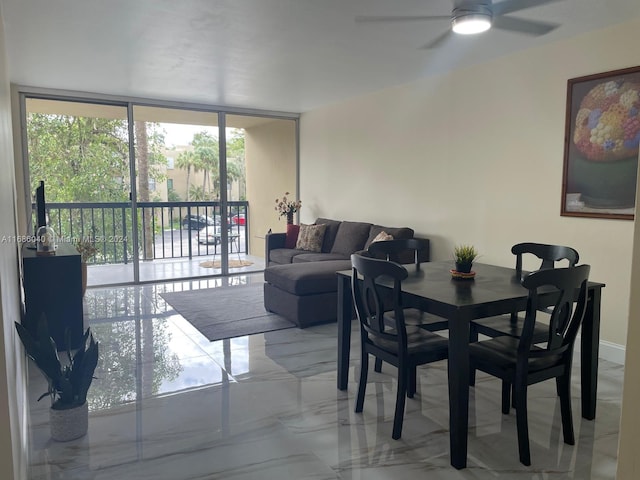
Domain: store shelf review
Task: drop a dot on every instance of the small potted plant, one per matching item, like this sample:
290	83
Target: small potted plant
69	380
464	255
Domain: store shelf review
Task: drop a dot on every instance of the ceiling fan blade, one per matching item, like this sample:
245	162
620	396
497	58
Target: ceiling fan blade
439	40
528	27
510	6
394	18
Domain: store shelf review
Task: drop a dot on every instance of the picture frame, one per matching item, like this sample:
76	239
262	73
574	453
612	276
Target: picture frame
602	133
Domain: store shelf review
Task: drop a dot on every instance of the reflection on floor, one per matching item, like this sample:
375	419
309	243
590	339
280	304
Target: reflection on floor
168	404
163	269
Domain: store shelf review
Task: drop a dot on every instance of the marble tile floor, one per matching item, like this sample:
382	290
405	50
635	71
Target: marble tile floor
170	405
160	270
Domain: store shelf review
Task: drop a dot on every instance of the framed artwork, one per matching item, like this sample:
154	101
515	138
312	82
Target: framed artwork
602	133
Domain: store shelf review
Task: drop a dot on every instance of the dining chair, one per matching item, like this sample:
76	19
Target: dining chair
511	325
395	249
519	362
384	334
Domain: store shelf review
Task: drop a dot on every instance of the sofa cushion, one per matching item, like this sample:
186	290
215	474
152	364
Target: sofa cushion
292	236
319	257
307	278
310	237
330	233
397	233
283	255
351	237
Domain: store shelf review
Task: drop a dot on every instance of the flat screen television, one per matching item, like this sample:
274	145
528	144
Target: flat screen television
41	214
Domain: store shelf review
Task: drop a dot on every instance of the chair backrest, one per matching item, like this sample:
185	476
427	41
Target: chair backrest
370	303
549	254
566	312
387	248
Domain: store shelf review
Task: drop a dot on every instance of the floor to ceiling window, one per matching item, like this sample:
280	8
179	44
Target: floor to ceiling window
81	152
163	191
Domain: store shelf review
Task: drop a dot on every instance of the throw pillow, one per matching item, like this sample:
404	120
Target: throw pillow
310	237
330	233
382	237
292	236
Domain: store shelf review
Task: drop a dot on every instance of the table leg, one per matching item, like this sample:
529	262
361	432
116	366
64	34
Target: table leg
345	307
458	390
589	348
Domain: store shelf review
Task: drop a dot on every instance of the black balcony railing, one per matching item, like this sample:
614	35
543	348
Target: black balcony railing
165	229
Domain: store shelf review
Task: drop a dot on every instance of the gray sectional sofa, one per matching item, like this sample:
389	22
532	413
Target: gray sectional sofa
341	239
302	285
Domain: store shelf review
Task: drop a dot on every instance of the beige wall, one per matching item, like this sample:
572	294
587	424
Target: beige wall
270	153
12	383
475	156
629	447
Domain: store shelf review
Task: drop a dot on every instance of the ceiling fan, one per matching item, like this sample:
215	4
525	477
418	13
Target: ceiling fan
476	16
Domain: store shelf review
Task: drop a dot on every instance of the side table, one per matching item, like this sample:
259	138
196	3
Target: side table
53	286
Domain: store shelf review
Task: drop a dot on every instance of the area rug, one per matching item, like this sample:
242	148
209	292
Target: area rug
232	263
226	312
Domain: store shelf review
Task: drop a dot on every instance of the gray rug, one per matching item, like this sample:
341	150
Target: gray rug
226	312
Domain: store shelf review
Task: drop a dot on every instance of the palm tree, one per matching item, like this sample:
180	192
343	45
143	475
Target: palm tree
206	147
235	172
186	160
142	155
197	193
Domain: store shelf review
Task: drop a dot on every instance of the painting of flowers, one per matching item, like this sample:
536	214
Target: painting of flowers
601	145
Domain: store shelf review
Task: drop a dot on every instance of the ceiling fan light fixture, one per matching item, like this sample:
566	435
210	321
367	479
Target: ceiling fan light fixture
471	23
471	19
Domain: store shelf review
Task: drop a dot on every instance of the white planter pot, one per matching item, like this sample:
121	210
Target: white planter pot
69	424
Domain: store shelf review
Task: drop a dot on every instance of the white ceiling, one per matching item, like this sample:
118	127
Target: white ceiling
284	55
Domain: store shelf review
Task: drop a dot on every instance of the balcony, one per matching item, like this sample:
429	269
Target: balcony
174	239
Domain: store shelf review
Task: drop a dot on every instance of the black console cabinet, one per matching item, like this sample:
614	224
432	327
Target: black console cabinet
53	286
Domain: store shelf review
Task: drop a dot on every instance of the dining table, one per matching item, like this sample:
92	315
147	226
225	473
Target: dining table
494	290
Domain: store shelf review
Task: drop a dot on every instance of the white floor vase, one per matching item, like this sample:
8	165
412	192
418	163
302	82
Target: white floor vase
69	424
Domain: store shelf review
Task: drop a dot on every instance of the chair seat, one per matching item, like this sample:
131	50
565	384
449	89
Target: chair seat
501	352
425	320
419	341
502	325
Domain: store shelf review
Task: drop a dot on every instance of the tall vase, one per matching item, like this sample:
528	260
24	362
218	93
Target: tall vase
289	218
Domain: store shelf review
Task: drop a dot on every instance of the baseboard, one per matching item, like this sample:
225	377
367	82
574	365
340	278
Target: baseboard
608	351
612	352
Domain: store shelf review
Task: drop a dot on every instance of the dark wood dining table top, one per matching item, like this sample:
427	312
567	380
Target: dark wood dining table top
491	290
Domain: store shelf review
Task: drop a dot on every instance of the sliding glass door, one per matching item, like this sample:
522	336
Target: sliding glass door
80	150
164	192
180	215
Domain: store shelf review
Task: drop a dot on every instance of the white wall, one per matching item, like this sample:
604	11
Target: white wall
12	386
475	156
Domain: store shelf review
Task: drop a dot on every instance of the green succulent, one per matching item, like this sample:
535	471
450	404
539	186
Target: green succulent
465	254
69	381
